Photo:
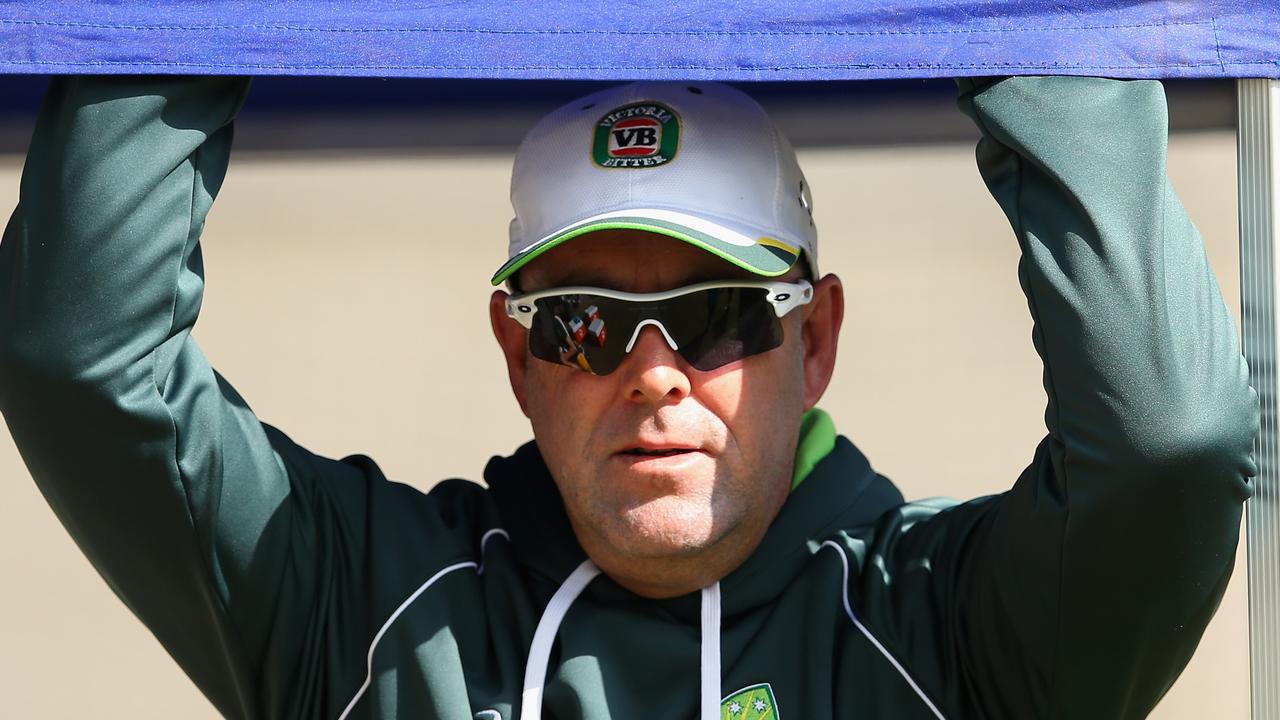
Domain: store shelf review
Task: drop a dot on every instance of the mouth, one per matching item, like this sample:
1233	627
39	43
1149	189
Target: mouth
654	460
657	452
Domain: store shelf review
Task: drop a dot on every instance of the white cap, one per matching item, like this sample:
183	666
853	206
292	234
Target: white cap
700	162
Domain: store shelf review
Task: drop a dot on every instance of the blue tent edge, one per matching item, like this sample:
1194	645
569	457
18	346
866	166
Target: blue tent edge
751	40
806	74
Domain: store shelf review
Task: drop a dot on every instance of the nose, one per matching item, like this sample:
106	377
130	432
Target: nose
654	372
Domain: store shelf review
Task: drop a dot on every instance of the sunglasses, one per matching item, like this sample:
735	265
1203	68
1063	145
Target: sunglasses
710	324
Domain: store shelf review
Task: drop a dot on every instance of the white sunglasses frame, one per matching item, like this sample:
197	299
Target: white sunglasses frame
783	296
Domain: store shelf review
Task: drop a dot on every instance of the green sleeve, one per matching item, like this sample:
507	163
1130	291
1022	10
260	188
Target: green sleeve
199	517
1083	591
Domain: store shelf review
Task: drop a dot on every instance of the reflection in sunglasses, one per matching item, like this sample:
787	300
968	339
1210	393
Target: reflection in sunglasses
709	325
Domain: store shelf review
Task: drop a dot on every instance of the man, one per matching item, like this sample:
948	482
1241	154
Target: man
688	536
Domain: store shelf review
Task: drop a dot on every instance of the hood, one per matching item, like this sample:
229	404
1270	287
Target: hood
840	493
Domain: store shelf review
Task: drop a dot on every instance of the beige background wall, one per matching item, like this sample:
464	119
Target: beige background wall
325	276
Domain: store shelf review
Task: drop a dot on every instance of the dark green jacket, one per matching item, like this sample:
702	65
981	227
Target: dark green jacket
290	585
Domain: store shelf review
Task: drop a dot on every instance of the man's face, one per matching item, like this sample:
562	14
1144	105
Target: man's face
661	465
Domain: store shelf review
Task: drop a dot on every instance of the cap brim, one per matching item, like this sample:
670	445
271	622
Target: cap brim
757	252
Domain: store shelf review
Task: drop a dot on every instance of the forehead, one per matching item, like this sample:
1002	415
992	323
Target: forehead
630	260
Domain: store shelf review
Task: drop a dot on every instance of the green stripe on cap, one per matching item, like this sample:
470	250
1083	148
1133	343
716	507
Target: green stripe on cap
767	257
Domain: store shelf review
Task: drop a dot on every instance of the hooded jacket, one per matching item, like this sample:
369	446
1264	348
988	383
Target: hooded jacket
288	585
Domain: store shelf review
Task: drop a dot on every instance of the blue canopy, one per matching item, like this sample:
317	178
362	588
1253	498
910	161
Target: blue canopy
691	39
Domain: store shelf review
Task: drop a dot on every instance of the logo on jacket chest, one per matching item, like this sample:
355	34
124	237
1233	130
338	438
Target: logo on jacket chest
754	702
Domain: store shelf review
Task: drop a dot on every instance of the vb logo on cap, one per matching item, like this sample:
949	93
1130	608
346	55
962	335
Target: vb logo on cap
639	135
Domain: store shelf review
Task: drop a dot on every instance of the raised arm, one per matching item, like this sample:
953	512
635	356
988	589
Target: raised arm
1083	591
160	472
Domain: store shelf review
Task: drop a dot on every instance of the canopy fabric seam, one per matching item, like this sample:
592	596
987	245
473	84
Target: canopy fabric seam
760	69
593	31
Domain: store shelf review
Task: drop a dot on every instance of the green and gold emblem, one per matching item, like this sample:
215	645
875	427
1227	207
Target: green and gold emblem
639	135
754	702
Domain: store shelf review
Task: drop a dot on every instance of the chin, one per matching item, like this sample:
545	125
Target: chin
666	527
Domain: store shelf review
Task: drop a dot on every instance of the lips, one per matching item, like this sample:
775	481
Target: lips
655	452
651	460
655	448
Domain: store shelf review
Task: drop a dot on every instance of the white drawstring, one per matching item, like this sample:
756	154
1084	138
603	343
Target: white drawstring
535	672
710	702
544	637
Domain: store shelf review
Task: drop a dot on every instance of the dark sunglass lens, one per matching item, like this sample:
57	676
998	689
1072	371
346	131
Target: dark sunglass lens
584	331
727	324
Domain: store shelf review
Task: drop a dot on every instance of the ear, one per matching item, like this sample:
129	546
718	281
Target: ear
512	340
822	319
